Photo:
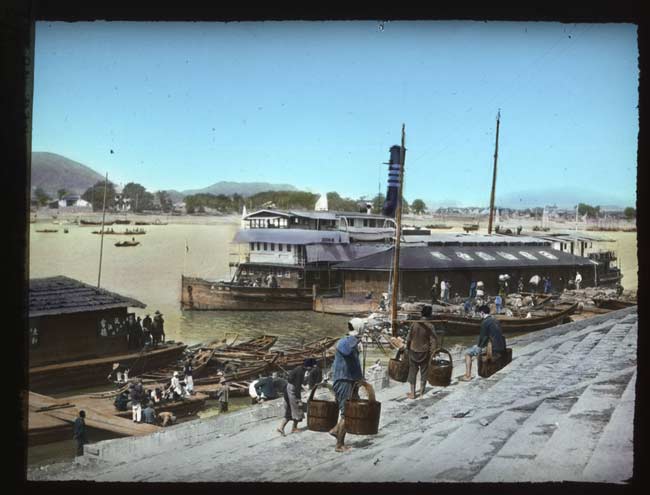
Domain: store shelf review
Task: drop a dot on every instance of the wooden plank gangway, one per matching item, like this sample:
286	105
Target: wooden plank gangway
47	413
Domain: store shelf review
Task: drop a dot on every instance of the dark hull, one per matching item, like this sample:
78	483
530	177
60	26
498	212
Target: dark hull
613	304
460	325
211	296
91	372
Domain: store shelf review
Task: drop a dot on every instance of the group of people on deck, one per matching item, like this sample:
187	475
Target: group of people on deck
138	332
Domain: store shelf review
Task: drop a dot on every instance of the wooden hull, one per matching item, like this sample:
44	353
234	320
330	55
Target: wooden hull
90	372
613	304
216	296
460	325
343	306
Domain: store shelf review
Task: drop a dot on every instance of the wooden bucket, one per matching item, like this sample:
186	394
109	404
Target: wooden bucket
440	369
362	415
322	415
488	366
398	369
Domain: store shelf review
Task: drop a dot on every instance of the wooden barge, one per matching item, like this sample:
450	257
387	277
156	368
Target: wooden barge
76	333
201	294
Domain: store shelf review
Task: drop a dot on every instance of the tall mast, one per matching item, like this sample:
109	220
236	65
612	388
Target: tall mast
101	245
398	235
494	175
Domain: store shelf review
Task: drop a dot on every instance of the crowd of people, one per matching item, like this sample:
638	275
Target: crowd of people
139	332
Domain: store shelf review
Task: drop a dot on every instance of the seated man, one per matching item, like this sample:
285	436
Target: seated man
265	389
121	401
149	414
490	332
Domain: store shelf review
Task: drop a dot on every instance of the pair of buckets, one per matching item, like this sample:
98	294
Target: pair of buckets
440	368
361	415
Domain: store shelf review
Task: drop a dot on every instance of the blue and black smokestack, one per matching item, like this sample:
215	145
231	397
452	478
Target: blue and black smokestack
390	204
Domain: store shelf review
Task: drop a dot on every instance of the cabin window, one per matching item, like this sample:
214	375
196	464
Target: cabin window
279	247
440	256
365	222
289	247
548	255
287	274
351	222
464	256
34	337
485	256
273	246
252	244
295	220
526	254
258	246
266	247
507	256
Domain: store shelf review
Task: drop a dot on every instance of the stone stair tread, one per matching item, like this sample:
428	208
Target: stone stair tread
615	448
571	445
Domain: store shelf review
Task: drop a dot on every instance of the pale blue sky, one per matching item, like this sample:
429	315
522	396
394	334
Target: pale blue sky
318	104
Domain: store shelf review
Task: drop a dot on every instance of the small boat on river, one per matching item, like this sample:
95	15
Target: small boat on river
127	243
47	231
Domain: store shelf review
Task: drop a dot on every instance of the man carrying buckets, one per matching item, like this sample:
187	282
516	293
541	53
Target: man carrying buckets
421	341
346	372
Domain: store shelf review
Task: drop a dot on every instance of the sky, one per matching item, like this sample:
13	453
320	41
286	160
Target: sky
318	105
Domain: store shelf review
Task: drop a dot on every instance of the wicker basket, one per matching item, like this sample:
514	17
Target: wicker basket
440	369
398	369
362	415
322	415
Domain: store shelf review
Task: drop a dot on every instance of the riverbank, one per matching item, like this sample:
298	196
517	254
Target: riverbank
562	410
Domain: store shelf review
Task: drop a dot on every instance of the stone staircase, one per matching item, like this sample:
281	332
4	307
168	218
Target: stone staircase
563	410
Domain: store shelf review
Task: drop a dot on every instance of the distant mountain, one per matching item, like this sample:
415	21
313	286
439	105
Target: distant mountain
52	172
243	188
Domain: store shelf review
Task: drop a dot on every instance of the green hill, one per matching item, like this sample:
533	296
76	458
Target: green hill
52	172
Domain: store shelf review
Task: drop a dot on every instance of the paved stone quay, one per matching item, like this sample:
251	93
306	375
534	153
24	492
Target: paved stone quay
562	410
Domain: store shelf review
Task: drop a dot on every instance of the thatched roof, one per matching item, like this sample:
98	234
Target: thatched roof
63	295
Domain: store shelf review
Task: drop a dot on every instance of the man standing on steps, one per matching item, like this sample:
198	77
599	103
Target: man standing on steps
79	432
421	341
490	332
346	372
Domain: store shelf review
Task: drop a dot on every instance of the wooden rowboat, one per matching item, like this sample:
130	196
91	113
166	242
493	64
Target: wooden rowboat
127	244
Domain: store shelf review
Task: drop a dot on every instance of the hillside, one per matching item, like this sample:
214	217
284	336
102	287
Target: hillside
52	172
245	189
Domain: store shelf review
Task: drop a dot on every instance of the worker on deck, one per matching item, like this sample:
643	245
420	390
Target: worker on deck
175	386
434	291
121	401
189	381
534	283
223	393
420	343
346	372
136	394
146	329
578	280
490	332
472	289
79	432
166	418
149	414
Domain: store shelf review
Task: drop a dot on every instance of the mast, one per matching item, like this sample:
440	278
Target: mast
398	235
101	245
494	174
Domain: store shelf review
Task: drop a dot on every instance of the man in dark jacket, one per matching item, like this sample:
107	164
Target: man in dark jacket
490	332
293	410
420	343
146	329
79	432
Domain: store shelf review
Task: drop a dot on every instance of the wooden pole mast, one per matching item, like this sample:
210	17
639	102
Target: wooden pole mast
494	175
398	235
101	245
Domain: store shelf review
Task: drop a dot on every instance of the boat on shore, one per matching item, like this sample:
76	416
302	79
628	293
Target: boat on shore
438	226
613	304
454	324
47	231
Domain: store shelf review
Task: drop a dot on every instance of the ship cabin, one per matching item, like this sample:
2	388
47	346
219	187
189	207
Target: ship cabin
70	320
299	247
461	259
607	270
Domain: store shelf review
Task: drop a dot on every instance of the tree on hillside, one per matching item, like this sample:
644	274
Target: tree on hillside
591	211
629	212
41	196
139	197
61	193
95	195
164	200
419	207
336	203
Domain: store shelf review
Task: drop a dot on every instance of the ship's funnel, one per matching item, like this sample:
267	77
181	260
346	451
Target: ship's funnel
390	205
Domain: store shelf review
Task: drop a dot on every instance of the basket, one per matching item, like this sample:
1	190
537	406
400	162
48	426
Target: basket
398	369
362	415
489	366
440	369
322	415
